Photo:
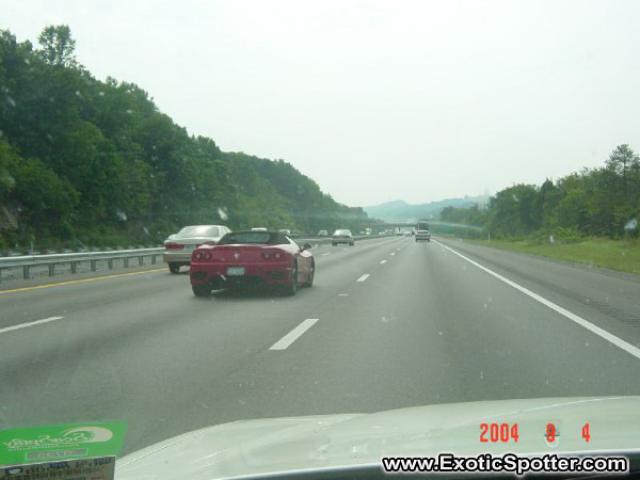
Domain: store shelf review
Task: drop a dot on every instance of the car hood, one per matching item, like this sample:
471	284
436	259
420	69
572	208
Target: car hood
268	446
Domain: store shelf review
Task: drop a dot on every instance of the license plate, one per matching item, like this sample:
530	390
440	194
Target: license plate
235	271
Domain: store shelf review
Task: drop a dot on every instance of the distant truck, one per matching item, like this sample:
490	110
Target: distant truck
422	231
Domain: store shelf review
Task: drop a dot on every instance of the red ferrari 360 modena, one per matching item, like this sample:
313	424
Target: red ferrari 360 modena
251	258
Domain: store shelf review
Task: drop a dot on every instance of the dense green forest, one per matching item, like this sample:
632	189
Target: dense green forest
602	202
85	162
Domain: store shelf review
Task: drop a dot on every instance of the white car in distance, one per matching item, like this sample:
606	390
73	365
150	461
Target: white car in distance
179	246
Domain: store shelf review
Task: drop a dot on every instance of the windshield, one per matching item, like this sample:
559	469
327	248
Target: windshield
277	215
199	231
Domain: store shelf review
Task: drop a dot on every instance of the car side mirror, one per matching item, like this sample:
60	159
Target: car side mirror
306	246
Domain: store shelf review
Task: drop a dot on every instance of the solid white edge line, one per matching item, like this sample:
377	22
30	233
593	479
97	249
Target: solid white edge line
29	324
617	341
293	335
363	277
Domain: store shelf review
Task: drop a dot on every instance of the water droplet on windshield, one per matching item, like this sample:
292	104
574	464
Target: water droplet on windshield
222	213
121	215
631	225
11	101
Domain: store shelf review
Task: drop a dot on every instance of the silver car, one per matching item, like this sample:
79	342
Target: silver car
178	247
342	236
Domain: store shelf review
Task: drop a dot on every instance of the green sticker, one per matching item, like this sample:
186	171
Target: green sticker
61	442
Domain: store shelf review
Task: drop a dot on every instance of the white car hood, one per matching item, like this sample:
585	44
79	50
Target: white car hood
256	447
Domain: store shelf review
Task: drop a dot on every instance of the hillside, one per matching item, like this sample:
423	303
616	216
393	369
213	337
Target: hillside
87	162
400	211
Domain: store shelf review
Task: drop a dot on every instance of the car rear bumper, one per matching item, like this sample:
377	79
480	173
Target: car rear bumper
183	258
423	237
255	274
342	240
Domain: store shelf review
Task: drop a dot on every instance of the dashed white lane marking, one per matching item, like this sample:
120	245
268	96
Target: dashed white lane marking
382	262
617	341
29	324
343	294
392	253
294	334
324	254
363	277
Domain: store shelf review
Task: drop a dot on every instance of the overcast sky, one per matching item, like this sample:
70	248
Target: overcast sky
376	100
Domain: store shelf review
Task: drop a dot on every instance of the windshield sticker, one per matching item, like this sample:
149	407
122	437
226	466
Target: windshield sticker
61	442
86	469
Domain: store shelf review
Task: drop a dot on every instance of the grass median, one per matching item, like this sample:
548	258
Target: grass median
621	255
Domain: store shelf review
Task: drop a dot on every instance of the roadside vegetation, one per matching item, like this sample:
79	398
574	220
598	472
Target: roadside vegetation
621	255
588	217
85	162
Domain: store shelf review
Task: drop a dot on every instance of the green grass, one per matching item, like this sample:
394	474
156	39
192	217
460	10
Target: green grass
621	255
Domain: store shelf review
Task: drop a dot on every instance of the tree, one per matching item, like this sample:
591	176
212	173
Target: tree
97	162
512	211
621	160
57	45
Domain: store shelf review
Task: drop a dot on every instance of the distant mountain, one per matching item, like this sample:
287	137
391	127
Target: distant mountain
401	211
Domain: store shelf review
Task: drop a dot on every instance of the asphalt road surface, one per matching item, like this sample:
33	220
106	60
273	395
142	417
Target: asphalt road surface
389	323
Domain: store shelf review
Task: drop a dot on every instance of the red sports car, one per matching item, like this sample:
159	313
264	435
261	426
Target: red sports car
251	258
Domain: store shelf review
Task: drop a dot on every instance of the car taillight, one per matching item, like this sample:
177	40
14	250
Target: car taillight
201	256
173	246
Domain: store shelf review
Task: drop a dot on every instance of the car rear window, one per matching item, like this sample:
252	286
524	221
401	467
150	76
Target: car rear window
258	238
342	232
199	231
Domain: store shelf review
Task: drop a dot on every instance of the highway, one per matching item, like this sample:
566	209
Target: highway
389	323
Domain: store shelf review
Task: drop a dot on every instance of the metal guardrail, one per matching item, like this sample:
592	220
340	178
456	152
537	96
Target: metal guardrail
323	240
26	262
